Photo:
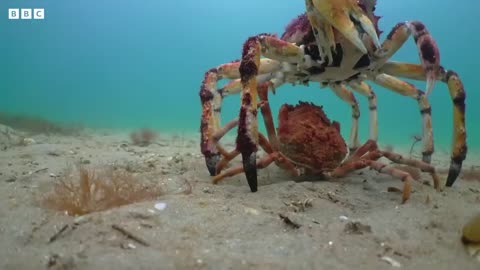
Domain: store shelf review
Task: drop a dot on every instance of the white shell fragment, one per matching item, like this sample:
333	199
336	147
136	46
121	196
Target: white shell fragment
391	261
28	141
160	206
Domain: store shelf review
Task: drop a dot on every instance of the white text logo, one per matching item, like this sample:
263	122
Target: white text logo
26	13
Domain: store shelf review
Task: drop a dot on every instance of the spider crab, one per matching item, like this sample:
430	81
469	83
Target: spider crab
334	43
307	139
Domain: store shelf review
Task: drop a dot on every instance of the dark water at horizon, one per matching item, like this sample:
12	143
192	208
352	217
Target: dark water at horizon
130	64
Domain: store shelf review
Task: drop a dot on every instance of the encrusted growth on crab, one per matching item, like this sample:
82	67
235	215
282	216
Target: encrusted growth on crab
368	6
299	30
308	138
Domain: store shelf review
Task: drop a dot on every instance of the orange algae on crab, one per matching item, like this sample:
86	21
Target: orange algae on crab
308	137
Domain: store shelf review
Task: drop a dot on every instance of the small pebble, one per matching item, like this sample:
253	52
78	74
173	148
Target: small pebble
85	161
128	246
252	211
53	153
11	179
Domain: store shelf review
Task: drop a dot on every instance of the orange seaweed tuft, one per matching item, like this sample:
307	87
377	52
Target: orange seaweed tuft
89	192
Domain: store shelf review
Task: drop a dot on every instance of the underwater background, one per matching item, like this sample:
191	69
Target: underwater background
131	64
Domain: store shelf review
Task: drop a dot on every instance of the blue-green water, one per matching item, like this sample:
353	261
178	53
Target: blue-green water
129	64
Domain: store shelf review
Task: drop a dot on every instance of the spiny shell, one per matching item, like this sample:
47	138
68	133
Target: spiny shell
471	230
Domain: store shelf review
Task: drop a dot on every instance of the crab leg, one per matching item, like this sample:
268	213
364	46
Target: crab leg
405	70
367	156
227	156
367	91
427	48
269	147
273	156
381	168
397	158
458	95
247	137
346	95
211	99
267	116
361	151
407	89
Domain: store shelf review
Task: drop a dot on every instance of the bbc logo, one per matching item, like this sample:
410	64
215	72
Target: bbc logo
26	13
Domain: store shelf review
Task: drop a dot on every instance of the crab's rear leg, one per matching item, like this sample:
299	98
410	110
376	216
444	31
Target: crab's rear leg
366	90
409	90
457	94
427	48
347	96
367	156
399	159
211	100
247	137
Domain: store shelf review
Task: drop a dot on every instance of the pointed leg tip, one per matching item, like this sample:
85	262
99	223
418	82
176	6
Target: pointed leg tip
250	168
430	84
427	158
211	162
453	173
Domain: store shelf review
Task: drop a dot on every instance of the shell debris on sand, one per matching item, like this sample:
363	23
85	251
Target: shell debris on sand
391	261
471	236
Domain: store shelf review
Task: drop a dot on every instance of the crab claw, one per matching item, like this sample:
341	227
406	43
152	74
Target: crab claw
250	168
345	16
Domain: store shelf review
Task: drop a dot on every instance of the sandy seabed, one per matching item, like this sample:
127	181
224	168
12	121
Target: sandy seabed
349	223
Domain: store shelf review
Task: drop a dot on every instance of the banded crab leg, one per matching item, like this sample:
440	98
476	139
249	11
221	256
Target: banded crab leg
457	93
407	89
427	48
211	99
261	163
347	96
366	90
266	82
430	71
270	146
368	155
399	159
247	136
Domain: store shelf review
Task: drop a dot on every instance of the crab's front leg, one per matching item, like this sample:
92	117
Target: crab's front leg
211	100
427	48
430	71
458	95
247	137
